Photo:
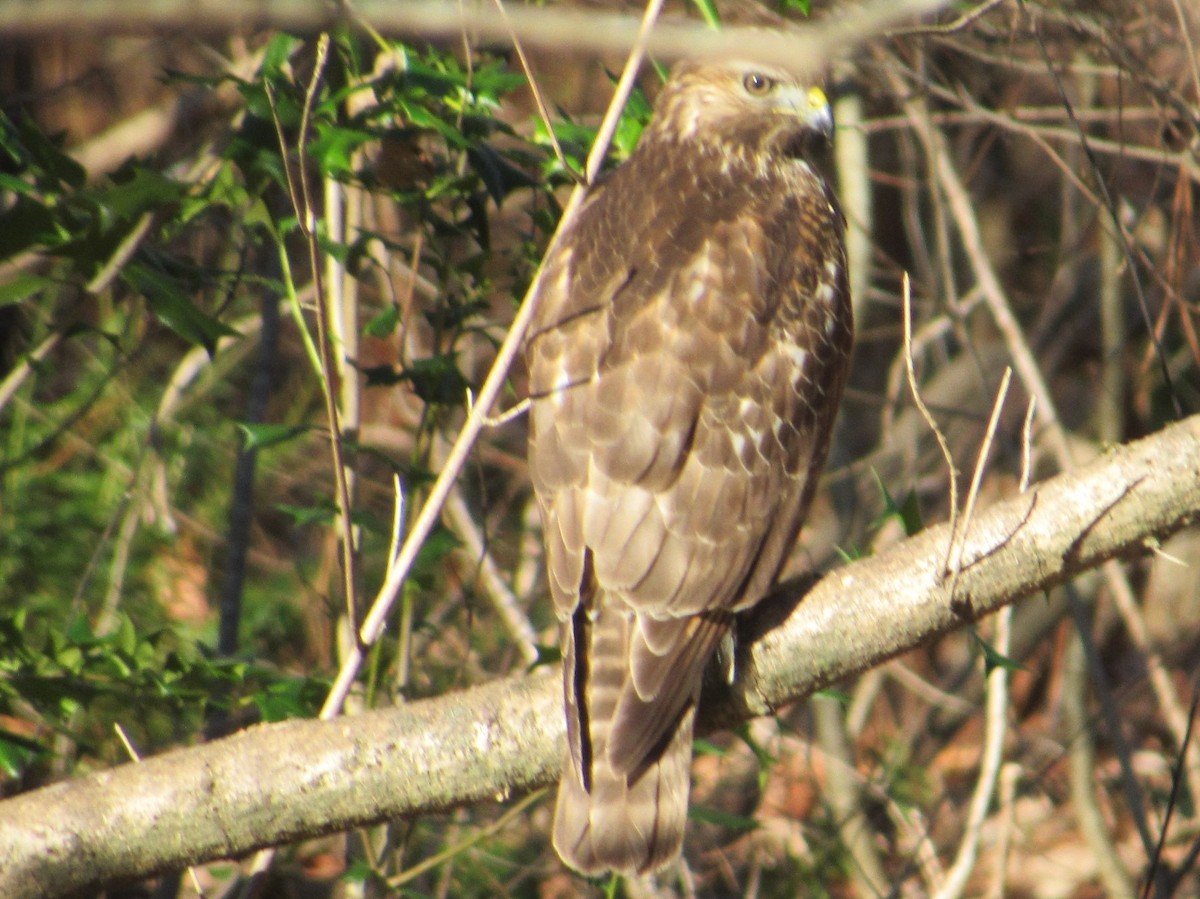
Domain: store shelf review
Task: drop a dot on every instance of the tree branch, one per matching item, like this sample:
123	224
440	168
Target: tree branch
276	783
557	28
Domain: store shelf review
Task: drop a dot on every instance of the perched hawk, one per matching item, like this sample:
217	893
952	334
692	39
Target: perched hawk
685	366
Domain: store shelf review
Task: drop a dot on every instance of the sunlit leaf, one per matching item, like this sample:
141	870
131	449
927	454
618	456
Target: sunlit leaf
259	436
383	324
22	287
708	12
17	753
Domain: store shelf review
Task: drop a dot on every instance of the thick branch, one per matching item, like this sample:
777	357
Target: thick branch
560	28
280	782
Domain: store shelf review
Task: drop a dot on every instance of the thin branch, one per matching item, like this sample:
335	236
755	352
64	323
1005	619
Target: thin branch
843	791
502	598
955	565
968	18
306	214
479	836
952	471
27	366
1010	774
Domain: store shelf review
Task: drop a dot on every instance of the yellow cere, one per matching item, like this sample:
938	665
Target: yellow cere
817	98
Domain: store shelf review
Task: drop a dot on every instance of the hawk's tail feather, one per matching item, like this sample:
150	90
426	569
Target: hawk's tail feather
631	827
619	813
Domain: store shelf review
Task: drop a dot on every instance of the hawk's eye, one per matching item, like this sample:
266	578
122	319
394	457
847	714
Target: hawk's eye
758	85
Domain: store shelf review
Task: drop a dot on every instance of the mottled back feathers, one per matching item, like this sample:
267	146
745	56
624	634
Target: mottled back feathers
685	365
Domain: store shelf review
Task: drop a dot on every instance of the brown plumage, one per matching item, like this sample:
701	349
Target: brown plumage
685	365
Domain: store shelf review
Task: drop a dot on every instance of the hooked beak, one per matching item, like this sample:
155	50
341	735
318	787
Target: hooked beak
817	113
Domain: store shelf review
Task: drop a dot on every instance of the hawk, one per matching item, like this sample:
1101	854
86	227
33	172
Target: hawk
685	365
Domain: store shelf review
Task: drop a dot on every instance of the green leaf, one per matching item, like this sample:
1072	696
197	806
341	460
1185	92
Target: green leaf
174	308
384	324
45	156
708	11
17	753
279	51
79	630
306	515
334	147
848	554
907	512
27	224
499	176
728	820
22	287
634	119
701	746
259	436
993	659
841	697
765	757
435	380
16	185
439	544
126	636
136	190
494	80
290	698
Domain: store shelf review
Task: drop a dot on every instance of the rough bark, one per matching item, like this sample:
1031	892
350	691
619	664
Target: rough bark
279	782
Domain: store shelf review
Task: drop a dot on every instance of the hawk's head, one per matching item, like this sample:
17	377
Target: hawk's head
744	105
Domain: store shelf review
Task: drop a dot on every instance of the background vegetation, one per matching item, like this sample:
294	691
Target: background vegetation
212	259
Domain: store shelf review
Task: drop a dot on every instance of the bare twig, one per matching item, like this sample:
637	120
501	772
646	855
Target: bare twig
495	421
1185	31
954	565
503	600
1027	444
962	210
474	839
1010	774
967	18
952	471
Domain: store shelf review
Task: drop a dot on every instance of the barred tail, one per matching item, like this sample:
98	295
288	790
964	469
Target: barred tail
630	826
621	813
